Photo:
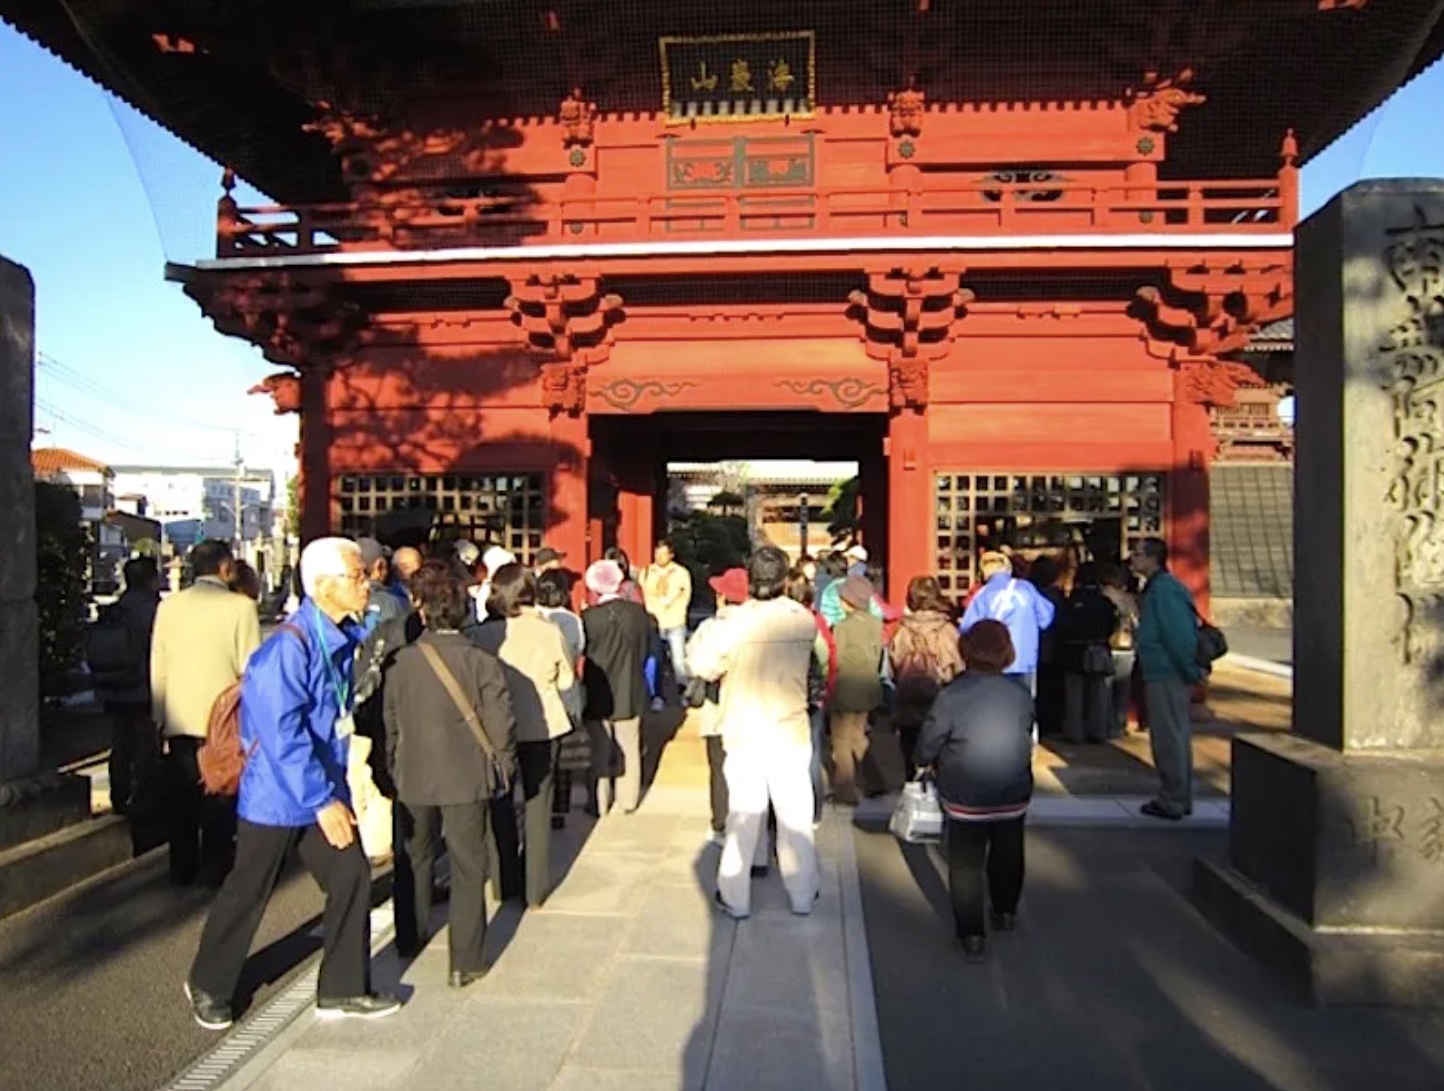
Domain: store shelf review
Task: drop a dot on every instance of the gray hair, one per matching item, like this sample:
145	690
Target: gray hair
326	557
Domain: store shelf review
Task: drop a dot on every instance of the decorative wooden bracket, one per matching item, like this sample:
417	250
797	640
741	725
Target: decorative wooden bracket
1213	383
908	318
568	319
578	119
1209	311
1157	105
292	322
905	111
284	387
565	316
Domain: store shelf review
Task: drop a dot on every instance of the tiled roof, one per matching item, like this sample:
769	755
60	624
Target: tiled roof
1275	337
47	461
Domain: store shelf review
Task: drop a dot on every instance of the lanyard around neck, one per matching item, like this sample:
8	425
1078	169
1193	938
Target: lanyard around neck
342	691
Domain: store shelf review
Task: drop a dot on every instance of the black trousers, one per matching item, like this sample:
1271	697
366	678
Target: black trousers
716	782
202	828
133	744
536	766
1050	703
464	826
344	876
976	847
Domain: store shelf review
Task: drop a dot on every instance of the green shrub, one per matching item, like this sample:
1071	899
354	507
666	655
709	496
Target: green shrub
62	555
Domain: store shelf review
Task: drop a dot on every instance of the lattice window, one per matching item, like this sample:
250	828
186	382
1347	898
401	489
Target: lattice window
1100	515
504	509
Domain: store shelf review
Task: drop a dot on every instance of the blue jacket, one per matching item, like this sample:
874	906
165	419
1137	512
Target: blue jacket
289	709
1167	636
1019	606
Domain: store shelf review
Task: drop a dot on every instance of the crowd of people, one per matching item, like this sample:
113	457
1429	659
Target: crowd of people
409	701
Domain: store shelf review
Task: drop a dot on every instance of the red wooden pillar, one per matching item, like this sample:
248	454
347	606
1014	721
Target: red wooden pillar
567	504
1187	492
909	501
316	435
872	504
635	472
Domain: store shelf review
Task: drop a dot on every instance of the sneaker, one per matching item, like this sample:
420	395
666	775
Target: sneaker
367	1006
658	704
808	911
1003	922
735	914
208	1011
973	948
717	837
460	979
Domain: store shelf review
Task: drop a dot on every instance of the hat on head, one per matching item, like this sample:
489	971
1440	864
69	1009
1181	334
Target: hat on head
856	592
992	558
857	553
467	552
547	554
371	551
731	585
496	557
604	578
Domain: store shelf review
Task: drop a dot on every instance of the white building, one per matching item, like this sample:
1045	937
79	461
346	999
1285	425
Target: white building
196	502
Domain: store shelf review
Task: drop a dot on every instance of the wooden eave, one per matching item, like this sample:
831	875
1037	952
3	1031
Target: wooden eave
1265	66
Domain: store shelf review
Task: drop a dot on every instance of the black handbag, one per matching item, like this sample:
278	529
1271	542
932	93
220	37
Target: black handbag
1212	644
1097	660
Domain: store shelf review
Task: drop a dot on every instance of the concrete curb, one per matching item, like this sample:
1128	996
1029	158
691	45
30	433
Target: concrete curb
1258	666
868	1071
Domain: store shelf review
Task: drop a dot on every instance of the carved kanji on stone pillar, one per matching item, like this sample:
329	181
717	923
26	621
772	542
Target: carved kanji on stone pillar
570	320
908	317
1207	310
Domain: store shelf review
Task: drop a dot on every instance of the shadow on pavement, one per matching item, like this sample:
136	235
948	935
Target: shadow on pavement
1113	980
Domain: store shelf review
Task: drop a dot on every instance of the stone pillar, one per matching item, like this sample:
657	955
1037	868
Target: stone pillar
19	636
1337	836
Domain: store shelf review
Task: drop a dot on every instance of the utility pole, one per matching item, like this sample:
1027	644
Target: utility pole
236	517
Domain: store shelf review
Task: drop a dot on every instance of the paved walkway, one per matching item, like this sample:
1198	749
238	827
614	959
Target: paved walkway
627	979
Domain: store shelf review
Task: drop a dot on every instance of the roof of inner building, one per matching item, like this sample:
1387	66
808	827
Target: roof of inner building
238	80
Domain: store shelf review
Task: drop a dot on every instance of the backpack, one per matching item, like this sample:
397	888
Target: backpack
112	651
222	757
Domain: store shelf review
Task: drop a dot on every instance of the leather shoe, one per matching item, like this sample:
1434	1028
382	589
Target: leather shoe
460	979
973	947
210	1012
1003	922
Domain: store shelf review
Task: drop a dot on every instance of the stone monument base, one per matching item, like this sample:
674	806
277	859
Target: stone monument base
40	805
1336	872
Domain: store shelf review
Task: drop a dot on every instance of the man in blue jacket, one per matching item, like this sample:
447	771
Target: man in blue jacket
296	727
1167	648
1019	606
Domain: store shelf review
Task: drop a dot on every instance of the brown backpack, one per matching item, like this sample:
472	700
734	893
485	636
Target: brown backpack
222	757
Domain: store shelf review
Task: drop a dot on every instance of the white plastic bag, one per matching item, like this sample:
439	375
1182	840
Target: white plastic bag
918	815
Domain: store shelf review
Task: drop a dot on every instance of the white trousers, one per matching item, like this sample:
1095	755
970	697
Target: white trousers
756	775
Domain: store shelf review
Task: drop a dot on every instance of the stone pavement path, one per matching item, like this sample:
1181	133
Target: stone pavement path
627	978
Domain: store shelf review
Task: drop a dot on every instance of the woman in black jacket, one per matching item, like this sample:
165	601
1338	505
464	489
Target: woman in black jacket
1087	624
445	779
978	738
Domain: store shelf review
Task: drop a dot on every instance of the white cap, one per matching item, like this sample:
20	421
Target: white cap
857	553
495	557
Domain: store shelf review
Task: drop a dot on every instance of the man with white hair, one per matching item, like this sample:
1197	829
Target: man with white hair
296	727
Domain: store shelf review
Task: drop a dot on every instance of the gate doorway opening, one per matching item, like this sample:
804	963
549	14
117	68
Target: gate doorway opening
641	468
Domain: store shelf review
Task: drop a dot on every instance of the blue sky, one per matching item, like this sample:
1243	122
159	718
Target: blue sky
94	199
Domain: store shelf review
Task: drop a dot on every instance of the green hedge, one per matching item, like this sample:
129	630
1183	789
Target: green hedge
62	552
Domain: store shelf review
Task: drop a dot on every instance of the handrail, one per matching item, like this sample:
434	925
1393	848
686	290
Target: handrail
976	206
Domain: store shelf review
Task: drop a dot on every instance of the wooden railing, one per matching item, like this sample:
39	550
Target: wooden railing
981	208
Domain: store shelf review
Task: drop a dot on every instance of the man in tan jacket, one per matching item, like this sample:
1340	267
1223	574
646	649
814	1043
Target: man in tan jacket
667	591
203	637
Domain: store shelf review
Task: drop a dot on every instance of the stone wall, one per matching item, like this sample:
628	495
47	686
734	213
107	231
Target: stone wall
19	693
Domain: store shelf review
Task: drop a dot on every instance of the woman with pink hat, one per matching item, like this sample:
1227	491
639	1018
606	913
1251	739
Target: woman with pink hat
618	641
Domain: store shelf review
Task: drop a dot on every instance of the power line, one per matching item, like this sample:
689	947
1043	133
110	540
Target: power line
69	376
